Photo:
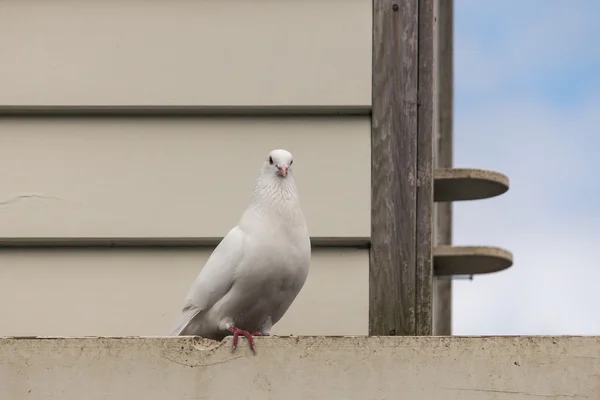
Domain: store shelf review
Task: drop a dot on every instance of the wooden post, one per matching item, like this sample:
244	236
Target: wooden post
401	267
443	155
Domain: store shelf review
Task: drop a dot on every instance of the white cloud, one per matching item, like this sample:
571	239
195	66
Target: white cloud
536	41
549	217
548	220
552	289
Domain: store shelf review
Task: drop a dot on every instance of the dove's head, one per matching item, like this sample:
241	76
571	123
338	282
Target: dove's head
279	162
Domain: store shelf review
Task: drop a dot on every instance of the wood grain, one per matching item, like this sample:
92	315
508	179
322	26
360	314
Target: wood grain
424	214
444	154
401	172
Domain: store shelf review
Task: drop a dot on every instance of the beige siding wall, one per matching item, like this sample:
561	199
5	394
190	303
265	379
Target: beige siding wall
158	178
192	53
175	177
122	292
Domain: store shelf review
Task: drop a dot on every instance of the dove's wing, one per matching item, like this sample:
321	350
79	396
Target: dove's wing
188	313
215	279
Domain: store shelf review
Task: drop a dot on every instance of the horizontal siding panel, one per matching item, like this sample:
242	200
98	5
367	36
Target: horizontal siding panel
174	177
140	292
185	53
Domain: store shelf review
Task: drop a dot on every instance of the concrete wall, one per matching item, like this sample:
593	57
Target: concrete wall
509	368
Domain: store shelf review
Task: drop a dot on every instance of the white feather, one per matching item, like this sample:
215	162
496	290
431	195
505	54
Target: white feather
260	266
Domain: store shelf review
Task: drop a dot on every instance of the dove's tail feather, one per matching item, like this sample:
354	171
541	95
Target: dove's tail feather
186	316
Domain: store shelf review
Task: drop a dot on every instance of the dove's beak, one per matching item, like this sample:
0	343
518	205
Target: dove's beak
283	171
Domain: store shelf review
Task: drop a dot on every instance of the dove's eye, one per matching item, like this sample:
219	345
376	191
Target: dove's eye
291	162
271	160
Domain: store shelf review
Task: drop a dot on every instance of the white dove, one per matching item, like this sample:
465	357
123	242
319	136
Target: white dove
257	270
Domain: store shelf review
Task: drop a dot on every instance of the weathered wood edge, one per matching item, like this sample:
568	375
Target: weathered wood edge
444	66
458	184
425	146
470	260
392	275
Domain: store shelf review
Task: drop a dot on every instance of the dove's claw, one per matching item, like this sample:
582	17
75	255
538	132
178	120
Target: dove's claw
237	332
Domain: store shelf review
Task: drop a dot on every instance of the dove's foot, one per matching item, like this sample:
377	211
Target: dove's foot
237	332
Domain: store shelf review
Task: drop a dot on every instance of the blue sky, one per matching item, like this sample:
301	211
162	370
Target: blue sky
527	103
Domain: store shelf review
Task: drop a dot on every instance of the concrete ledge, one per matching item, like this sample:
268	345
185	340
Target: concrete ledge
187	368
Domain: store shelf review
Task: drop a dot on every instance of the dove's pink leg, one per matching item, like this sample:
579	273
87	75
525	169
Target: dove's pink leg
237	332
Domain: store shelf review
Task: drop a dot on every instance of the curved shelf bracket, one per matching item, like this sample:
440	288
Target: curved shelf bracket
470	260
456	184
